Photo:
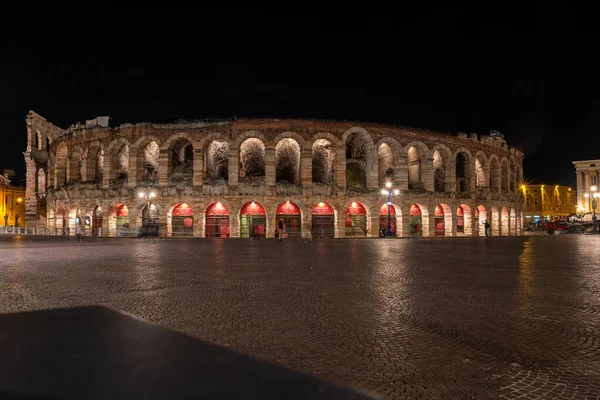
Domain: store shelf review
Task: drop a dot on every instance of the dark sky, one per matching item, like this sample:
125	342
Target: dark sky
530	72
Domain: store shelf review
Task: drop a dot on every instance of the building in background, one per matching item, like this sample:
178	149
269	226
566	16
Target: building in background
12	204
588	182
547	203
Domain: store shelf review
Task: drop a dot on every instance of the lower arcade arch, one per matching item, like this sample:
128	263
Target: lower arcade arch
61	221
149	217
418	221
480	219
216	223
323	221
383	220
495	223
291	217
253	221
355	223
180	220
118	220
442	219
464	221
97	218
505	223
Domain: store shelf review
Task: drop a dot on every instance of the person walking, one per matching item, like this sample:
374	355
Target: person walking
280	230
78	231
486	228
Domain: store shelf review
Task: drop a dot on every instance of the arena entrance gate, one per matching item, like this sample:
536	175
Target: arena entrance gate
253	221
292	219
323	221
217	221
355	223
460	220
97	222
415	221
182	220
61	218
438	219
150	221
383	220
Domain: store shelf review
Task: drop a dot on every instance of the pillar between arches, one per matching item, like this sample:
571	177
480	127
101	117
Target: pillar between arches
198	166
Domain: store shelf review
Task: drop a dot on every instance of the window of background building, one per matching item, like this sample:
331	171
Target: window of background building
594	180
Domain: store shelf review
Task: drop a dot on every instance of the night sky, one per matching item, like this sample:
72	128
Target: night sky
530	73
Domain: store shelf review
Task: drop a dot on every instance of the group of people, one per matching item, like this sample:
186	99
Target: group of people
78	232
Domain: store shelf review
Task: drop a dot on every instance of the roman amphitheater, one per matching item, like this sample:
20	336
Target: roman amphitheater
238	178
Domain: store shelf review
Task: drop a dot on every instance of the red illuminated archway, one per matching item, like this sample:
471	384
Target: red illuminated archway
438	216
415	221
323	221
355	223
217	221
253	220
291	217
182	220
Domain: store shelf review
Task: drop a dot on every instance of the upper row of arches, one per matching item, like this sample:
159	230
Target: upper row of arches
354	160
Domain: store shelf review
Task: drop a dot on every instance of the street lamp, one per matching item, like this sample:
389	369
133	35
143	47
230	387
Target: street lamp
148	197
389	193
595	195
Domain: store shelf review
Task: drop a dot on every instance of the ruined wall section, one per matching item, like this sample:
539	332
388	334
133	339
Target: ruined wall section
40	135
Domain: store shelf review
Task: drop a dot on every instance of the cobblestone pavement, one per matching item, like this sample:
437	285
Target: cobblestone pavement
503	317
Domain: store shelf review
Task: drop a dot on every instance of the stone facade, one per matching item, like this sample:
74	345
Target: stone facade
448	180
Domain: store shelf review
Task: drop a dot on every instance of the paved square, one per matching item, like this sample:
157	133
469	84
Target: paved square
502	317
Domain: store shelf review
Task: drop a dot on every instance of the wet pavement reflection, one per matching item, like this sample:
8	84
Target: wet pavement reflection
502	317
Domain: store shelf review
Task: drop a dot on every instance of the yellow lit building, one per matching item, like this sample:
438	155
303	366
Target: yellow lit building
547	202
12	204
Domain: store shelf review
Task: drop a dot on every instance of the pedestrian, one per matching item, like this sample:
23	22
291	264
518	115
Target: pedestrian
68	233
486	228
78	231
280	230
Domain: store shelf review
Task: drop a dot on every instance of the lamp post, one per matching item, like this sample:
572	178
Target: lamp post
594	196
389	193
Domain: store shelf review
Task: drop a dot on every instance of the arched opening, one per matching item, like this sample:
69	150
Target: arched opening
495	225
150	220
355	224
415	221
74	222
464	223
287	162
253	221
504	177
480	219
323	158
323	221
252	161
480	178
513	176
75	165
217	221
357	147
513	222
386	164
495	175
217	161
181	161
118	220
94	164
439	175
120	163
41	181
504	218
438	215
97	217
38	141
384	211
414	169
463	183
182	220
61	219
48	144
150	156
61	165
291	216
